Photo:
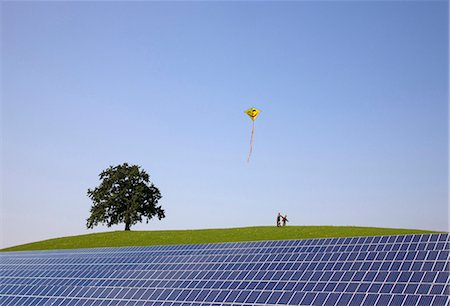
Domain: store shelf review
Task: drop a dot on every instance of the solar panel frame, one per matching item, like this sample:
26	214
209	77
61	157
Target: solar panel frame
366	269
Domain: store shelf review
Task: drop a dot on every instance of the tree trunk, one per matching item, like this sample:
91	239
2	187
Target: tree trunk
127	226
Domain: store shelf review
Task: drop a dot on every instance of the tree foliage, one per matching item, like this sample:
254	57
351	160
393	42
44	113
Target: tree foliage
125	195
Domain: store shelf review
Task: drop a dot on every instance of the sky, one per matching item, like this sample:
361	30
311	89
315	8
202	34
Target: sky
353	128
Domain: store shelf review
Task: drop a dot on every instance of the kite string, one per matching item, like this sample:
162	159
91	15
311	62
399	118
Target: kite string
251	141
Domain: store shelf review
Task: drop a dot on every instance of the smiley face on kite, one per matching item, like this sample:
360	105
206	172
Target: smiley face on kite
252	112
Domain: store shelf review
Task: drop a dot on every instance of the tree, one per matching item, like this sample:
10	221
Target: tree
125	195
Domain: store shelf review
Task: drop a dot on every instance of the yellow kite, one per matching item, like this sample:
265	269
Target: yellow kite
253	113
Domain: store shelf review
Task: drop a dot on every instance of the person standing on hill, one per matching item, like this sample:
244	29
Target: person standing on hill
285	220
278	219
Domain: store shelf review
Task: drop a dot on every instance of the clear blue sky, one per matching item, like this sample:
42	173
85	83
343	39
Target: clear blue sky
353	127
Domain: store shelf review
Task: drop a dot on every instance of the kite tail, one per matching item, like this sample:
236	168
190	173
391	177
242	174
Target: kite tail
251	142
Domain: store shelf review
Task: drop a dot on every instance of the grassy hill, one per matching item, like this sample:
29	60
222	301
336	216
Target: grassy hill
145	238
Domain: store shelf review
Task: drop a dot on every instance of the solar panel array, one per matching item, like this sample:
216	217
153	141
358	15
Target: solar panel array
384	270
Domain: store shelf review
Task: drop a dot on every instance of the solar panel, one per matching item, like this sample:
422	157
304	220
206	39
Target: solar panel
382	270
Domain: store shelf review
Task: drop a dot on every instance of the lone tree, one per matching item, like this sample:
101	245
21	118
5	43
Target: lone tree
125	195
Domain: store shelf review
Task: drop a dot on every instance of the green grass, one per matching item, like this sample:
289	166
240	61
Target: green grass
145	238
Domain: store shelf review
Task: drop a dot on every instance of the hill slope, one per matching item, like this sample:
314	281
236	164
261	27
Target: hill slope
146	238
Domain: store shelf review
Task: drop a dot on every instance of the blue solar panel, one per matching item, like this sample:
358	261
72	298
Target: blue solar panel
388	270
